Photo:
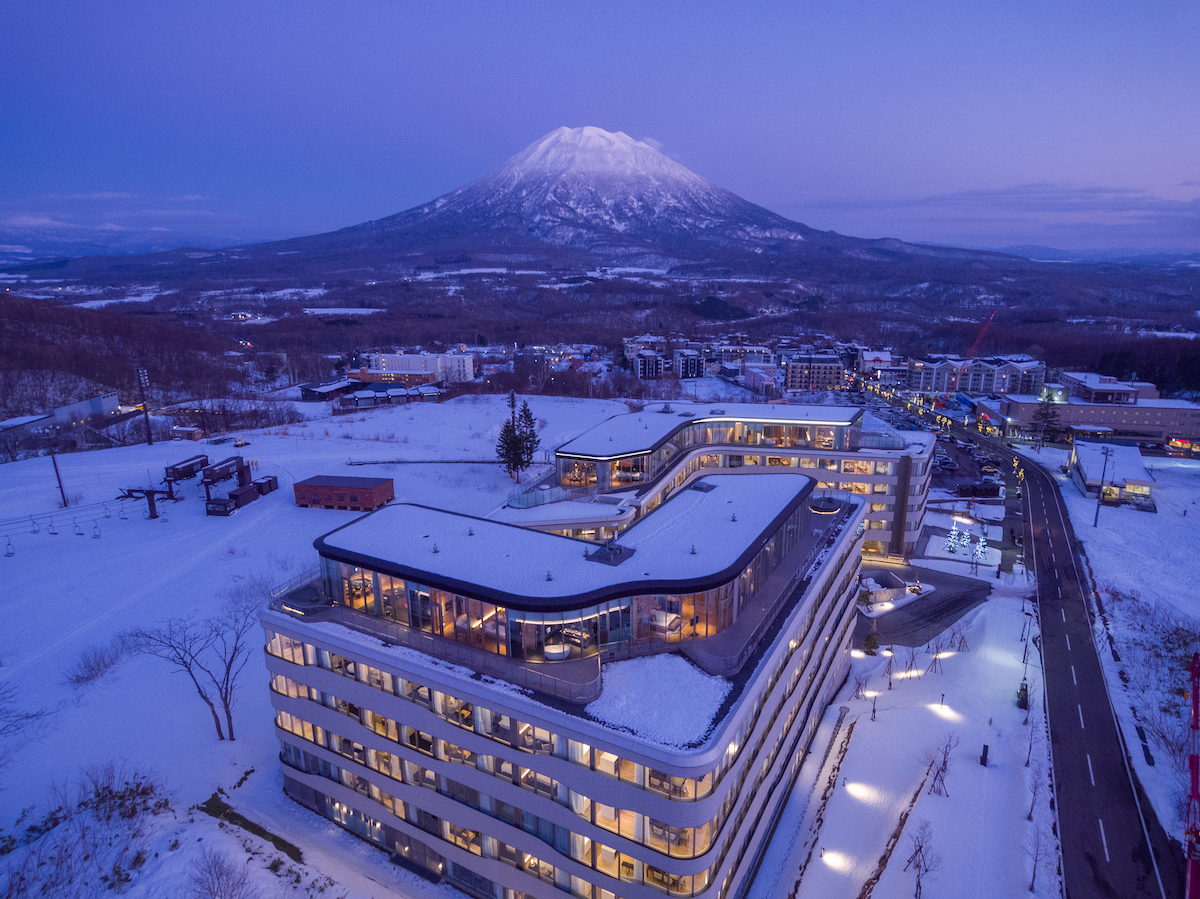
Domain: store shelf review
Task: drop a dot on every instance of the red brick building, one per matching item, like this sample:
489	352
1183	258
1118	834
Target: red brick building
337	492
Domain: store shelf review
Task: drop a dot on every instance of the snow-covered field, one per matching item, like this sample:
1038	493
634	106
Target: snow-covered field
62	594
845	808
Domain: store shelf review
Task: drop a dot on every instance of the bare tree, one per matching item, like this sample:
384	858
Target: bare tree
1034	851
937	783
1035	787
214	876
212	652
181	642
923	860
232	644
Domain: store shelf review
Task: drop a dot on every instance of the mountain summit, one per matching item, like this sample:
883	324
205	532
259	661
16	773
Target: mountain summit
601	191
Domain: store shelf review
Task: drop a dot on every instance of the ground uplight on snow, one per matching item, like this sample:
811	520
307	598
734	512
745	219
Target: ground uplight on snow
845	806
664	698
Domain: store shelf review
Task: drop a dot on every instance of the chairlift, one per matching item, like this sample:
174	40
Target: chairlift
107	511
163	516
77	528
36	527
51	530
95	530
121	513
8	549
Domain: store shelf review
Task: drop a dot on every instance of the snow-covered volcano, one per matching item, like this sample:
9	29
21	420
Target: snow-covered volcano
598	190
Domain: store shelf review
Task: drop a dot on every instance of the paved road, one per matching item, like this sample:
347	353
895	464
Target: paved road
1106	850
1106	834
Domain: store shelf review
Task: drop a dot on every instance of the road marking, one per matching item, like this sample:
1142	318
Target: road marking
1063	612
1052	559
1060	592
1068	636
1104	841
1091	773
1081	727
1075	682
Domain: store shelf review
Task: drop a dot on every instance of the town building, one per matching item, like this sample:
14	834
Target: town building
1130	412
411	369
976	377
806	371
650	342
644	456
647	365
687	363
458	691
1116	471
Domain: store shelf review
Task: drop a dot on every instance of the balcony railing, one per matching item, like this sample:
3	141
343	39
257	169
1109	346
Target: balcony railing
577	680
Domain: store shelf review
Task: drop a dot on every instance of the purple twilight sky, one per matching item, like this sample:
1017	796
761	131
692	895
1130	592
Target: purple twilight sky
1073	125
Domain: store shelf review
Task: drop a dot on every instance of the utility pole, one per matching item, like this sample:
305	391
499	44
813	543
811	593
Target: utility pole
1100	490
144	382
59	476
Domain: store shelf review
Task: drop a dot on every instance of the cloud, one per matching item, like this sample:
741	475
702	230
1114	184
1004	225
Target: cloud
656	144
34	220
1072	217
103	196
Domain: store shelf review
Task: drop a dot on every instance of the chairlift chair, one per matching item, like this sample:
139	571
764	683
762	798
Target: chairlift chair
51	530
107	511
95	530
121	513
36	527
78	530
8	549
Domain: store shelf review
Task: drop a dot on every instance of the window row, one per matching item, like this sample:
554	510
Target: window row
579	847
669	839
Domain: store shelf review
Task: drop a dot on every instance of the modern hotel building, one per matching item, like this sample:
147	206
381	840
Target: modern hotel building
496	704
438	687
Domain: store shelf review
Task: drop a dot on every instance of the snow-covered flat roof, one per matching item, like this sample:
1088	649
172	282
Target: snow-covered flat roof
22	420
642	431
509	565
1123	467
1079	401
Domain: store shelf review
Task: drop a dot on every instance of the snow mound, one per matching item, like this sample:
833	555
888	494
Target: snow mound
664	699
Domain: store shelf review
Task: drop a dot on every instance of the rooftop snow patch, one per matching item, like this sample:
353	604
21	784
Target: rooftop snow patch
664	698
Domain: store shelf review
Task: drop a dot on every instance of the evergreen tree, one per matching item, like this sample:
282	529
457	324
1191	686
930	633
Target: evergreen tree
1045	420
527	435
509	449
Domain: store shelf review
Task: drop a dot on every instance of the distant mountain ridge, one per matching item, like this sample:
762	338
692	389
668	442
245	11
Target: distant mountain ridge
576	197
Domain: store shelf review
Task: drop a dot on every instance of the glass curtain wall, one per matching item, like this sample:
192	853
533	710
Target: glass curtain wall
554	636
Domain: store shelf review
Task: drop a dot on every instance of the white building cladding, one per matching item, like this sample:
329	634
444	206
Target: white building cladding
977	377
646	455
513	791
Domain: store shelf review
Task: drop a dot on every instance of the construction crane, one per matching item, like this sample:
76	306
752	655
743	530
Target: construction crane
974	349
1193	805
